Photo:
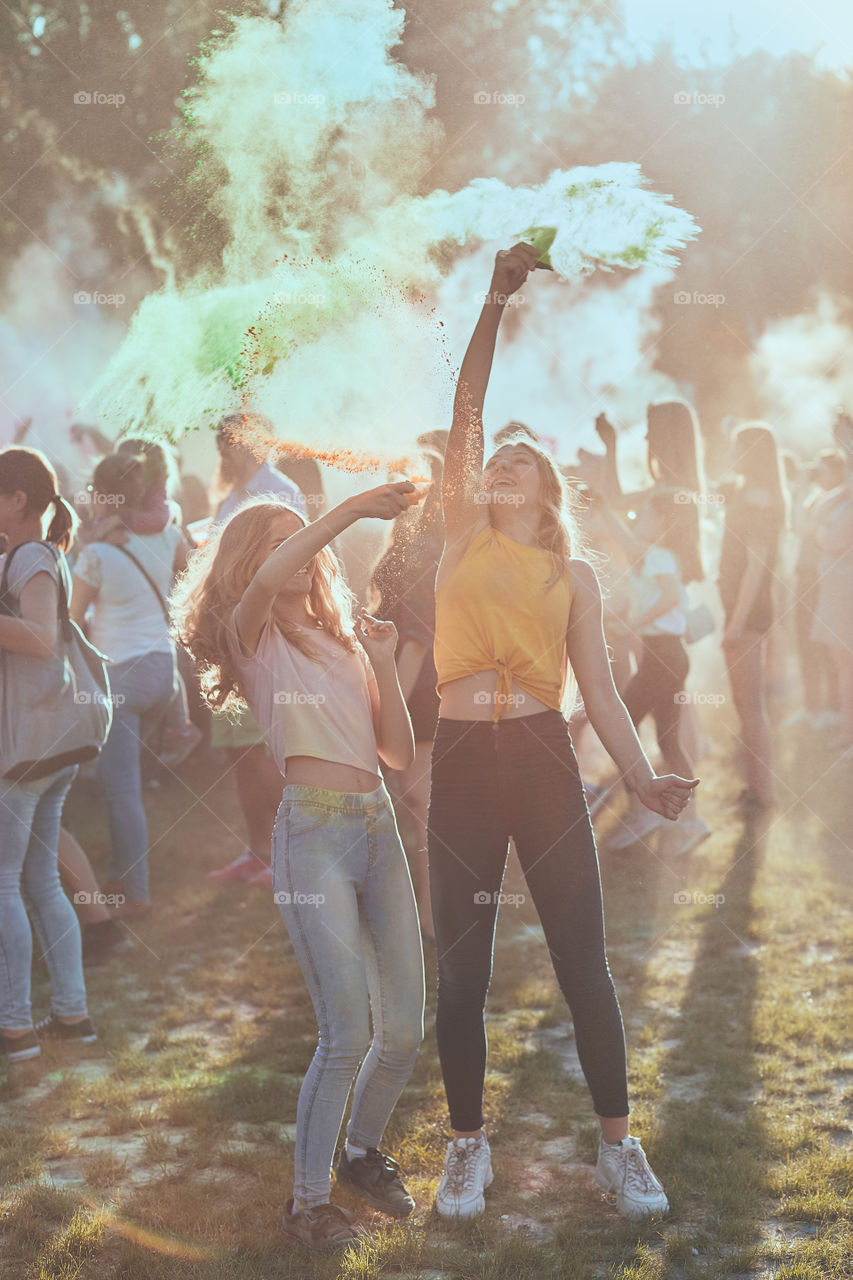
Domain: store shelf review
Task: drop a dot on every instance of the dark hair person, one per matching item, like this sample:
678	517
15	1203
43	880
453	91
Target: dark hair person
833	622
403	584
32	512
516	610
126	587
665	553
756	514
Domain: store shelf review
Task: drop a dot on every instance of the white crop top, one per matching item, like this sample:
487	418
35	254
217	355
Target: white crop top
306	708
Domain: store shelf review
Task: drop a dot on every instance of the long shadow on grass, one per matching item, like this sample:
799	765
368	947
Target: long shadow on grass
711	1142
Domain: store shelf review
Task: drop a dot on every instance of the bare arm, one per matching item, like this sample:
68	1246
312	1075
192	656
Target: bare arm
35	631
607	435
253	609
395	741
82	595
605	710
463	458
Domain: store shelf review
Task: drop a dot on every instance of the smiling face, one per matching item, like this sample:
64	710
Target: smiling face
280	528
513	471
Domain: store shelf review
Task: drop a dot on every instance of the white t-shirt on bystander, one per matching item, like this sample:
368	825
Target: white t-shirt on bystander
127	619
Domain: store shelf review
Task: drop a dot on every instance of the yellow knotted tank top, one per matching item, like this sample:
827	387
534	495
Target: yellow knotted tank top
496	612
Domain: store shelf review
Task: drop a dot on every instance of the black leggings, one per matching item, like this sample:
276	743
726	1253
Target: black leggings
518	778
661	672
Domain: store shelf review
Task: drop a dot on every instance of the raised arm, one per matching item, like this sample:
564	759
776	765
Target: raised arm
463	458
384	503
606	433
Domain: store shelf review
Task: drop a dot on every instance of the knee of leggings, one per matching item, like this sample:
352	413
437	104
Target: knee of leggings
463	984
584	989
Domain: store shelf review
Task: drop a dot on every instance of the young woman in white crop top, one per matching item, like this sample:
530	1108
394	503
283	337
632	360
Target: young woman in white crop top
267	618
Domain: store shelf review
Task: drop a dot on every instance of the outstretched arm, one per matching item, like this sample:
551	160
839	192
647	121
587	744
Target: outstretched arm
605	710
463	458
250	616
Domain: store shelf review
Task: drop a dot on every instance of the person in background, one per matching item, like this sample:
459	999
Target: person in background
403	587
103	937
31	512
126	588
244	471
665	553
818	675
157	509
243	443
833	622
756	512
307	475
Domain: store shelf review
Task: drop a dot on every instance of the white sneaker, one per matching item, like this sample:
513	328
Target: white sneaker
625	1174
688	833
635	830
467	1173
800	717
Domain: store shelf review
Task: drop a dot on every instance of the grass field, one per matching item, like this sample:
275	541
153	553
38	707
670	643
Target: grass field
167	1153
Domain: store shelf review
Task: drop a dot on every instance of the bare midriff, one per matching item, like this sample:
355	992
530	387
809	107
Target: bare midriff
307	771
473	698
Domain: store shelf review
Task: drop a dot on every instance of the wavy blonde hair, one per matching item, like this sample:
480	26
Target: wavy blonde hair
559	531
206	594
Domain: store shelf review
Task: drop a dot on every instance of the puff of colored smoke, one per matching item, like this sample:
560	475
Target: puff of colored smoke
312	143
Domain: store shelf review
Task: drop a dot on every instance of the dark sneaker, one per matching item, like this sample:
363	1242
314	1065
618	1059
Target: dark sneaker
103	939
50	1028
19	1048
376	1178
326	1228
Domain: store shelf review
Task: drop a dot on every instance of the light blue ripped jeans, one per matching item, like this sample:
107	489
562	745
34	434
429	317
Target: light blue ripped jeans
342	885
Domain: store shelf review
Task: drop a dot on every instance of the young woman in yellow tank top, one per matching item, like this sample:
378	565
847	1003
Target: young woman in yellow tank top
518	617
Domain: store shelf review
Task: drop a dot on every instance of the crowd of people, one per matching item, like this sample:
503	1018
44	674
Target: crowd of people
385	759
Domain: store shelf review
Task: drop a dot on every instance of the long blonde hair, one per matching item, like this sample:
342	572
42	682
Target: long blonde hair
559	531
206	594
